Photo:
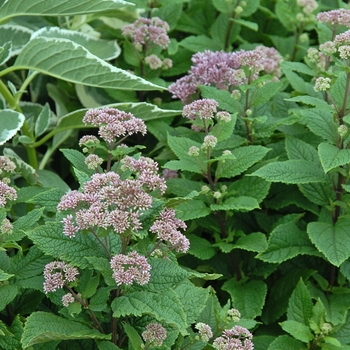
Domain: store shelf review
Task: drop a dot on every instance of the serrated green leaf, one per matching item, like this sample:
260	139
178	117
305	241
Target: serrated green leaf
337	308
193	209
7	293
298	149
248	297
10	123
48	199
200	247
222	131
295	171
77	159
66	60
312	101
253	242
332	240
164	307
332	157
300	305
286	342
266	92
251	25
104	49
250	7
5	276
14	8
245	158
193	300
223	97
50	179
343	333
285	242
198	43
337	90
298	330
318	193
42	327
51	240
298	67
242	203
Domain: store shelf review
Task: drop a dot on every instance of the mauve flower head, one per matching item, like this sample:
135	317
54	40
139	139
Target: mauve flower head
6	164
7	193
57	274
155	334
170	174
204	330
67	299
148	31
335	17
237	338
203	109
166	228
154	61
224	70
113	123
130	268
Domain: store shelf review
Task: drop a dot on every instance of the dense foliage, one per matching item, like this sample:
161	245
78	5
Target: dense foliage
174	174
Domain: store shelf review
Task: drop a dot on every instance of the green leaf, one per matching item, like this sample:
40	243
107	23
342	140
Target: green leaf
51	240
5	276
332	240
248	297
104	49
7	293
48	199
266	92
14	8
337	90
250	7
180	146
192	209
298	330
10	123
43	121
50	179
285	242
106	345
318	193
300	304
298	149
199	43
337	309
42	327
251	25
295	171
245	158
17	35
222	131
200	247
5	52
134	338
241	203
332	157
313	101
253	242
223	97
286	342
64	59
77	159
164	307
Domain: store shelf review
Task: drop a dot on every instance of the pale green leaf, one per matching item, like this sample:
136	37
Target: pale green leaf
4	276
253	242
332	157
43	121
251	25
64	59
164	307
42	327
332	240
245	158
199	43
285	242
192	209
200	247
12	8
104	49
5	52
242	203
16	34
300	305
286	342
298	330
10	123
295	171
50	179
248	297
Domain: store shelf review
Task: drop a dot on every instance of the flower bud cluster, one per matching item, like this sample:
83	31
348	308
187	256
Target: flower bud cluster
154	333
238	338
129	268
7	193
57	274
204	330
322	84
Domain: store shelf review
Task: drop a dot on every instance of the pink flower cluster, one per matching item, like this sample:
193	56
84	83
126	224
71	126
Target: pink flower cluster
109	201
224	70
6	193
166	228
237	338
129	268
155	334
148	30
335	17
203	109
57	274
114	123
6	164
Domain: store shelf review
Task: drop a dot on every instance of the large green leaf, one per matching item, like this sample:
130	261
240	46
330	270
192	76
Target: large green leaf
295	171
298	330
13	8
42	327
242	203
10	122
104	49
64	59
298	149
287	241
332	157
16	34
164	307
332	240
248	297
285	342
